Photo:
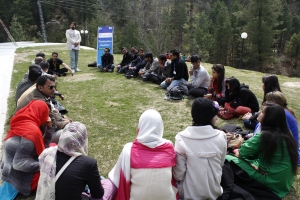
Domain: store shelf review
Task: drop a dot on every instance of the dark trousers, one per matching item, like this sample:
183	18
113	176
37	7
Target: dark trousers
57	72
138	67
157	79
196	92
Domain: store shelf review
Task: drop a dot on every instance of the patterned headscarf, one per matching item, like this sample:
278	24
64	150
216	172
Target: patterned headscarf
73	142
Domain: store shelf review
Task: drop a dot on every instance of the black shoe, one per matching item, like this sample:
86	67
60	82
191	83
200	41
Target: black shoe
94	64
64	74
129	76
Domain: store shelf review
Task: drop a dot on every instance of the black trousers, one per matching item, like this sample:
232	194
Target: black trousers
57	72
196	92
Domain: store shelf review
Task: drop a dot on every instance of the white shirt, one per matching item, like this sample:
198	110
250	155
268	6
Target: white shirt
72	37
200	78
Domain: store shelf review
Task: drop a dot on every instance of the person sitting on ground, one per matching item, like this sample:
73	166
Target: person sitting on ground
271	156
69	182
134	52
23	144
136	65
55	63
37	62
45	88
45	67
163	71
152	66
278	98
270	84
127	58
239	98
107	61
149	157
179	69
199	78
34	73
42	55
216	88
200	153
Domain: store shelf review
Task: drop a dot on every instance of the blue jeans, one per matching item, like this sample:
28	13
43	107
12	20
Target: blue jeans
74	59
164	85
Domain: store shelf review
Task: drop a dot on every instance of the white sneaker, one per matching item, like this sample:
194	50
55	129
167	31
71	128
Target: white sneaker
77	70
73	71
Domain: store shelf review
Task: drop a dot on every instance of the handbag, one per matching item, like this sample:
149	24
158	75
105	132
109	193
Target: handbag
226	114
234	140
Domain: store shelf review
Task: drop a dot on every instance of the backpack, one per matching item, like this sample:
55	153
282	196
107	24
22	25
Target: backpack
175	93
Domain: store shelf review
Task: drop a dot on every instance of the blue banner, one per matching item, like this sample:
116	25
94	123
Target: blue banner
105	40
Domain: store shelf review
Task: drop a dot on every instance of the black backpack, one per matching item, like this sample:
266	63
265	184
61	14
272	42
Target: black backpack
175	93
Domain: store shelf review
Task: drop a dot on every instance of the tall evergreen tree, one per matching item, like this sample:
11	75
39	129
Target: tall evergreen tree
262	21
221	31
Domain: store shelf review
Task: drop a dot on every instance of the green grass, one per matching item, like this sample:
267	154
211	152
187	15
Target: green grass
110	105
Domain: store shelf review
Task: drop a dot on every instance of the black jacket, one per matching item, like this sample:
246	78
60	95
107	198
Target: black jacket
244	97
127	58
180	69
138	60
107	60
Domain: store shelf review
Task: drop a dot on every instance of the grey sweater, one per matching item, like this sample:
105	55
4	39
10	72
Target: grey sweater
20	161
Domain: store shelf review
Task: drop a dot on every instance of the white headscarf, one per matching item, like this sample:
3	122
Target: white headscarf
150	129
73	142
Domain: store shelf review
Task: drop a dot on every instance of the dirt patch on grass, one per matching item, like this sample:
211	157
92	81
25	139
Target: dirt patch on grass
110	104
21	57
292	84
80	77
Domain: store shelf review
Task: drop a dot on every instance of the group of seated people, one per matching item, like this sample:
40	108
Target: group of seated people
46	152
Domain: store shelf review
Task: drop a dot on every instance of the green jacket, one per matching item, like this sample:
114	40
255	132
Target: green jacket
278	176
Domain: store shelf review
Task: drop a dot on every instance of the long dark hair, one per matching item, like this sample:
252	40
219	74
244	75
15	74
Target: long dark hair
271	84
276	134
235	86
221	72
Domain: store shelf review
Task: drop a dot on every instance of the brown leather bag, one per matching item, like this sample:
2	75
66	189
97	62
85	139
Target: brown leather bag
234	140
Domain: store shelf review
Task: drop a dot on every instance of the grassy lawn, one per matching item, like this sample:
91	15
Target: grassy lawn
110	105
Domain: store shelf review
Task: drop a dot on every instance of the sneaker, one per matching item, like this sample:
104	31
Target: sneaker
73	71
77	70
64	74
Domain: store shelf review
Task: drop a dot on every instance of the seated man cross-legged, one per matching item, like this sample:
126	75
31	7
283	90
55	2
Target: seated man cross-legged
107	61
179	69
54	66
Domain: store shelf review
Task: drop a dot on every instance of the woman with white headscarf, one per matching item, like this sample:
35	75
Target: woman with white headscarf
66	169
144	168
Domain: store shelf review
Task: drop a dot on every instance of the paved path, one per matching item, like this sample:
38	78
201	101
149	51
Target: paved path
7	55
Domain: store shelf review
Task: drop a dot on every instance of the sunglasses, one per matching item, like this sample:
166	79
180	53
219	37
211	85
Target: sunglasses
51	87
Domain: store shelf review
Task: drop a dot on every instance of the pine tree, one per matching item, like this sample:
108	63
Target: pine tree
262	21
17	31
221	31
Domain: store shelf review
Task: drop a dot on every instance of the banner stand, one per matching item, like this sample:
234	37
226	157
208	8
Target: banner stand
105	40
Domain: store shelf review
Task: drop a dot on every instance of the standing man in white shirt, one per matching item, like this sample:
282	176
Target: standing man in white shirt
73	45
199	78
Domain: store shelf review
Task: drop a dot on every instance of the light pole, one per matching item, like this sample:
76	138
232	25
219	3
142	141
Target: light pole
244	35
84	32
